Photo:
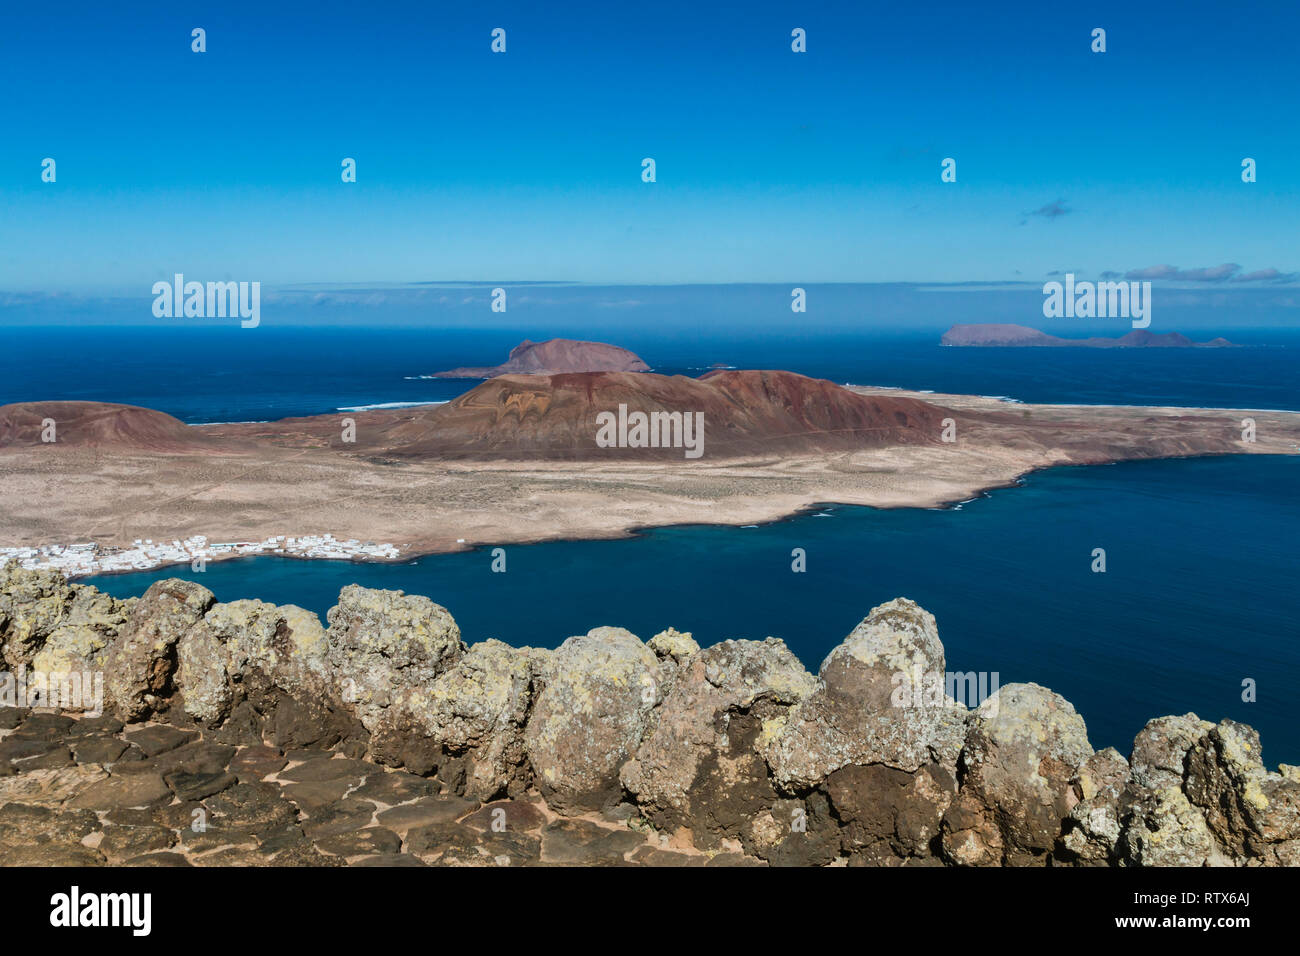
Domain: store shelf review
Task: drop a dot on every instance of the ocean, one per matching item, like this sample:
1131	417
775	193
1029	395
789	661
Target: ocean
233	374
1198	595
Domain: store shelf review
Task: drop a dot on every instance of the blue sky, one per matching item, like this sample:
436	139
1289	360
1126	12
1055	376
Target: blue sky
772	166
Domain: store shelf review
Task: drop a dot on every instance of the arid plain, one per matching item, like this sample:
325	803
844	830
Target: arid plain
122	474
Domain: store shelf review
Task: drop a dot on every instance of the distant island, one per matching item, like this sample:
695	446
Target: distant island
522	457
556	357
1021	336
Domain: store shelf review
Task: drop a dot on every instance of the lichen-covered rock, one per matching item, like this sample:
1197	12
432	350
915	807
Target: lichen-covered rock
1024	746
673	644
1159	757
139	666
857	715
383	643
1163	828
474	713
597	694
287	643
1092	828
693	727
202	676
733	746
32	603
285	648
81	639
1249	810
59	633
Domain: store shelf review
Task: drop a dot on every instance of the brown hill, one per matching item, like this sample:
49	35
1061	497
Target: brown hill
557	356
537	417
98	424
1001	334
745	413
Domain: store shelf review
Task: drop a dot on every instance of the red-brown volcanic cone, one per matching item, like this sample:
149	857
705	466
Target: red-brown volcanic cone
746	413
98	424
555	357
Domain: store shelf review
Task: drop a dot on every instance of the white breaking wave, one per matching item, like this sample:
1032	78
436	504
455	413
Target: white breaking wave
371	408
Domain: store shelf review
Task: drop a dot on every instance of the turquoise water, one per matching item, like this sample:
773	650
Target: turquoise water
1200	590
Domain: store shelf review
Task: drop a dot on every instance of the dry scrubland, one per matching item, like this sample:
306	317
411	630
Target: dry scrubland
248	482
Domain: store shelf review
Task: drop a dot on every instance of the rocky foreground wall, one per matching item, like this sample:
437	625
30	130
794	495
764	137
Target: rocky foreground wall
730	749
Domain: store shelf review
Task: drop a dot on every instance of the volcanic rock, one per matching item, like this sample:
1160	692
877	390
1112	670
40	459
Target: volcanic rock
593	709
1024	746
140	666
382	644
853	717
556	356
691	739
98	425
995	334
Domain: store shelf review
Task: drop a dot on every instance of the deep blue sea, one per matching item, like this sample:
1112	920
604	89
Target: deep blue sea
1200	591
233	374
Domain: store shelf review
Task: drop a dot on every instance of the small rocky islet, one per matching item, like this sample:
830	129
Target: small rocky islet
244	733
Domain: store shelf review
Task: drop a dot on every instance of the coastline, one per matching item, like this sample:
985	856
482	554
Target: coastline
76	561
408	554
252	492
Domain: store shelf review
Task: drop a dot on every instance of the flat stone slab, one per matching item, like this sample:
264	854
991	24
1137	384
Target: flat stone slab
367	842
314	794
158	859
305	854
251	763
256	806
197	756
49	788
50	854
16	747
339	818
734	859
135	796
102	724
439	837
395	787
132	817
508	814
215	838
97	748
390	859
159	738
52	726
330	769
657	856
427	810
56	757
133	790
512	848
21	823
196	786
123	843
584	842
230	857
